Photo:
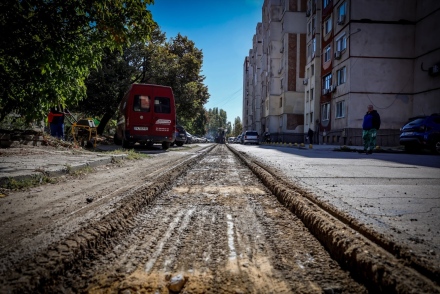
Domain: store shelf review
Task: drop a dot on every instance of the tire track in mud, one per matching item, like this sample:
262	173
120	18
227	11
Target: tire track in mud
223	231
39	273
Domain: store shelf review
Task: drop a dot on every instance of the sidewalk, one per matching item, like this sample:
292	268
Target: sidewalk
33	162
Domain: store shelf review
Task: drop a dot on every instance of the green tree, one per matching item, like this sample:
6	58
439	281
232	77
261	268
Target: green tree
238	127
48	48
178	64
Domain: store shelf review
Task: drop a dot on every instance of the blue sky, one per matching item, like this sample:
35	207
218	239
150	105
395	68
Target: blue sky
223	30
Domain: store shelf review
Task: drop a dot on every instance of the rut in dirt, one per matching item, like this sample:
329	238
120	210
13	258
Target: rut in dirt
222	231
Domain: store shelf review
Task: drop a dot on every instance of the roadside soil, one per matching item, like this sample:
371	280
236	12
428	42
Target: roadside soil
33	218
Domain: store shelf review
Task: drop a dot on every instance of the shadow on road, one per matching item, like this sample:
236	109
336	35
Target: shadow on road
427	160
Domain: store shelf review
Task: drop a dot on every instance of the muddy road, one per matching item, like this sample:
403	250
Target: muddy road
207	221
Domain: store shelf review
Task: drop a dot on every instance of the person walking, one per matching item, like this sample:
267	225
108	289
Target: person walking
310	135
370	126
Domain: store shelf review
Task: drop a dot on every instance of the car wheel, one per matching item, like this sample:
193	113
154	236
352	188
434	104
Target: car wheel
180	144
165	145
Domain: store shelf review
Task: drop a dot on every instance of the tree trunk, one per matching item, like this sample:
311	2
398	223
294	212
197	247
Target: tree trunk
104	120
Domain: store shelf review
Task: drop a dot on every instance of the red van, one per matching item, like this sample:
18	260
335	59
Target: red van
147	115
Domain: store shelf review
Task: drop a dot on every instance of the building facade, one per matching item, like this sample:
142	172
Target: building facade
276	71
356	53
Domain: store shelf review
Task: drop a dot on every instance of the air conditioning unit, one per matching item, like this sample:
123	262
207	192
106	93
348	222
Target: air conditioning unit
305	81
324	91
341	19
338	55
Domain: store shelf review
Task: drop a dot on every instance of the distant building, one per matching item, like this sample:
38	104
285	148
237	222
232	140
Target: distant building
332	58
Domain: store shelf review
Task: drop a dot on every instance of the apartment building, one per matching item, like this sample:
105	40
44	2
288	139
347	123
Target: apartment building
385	53
371	53
276	71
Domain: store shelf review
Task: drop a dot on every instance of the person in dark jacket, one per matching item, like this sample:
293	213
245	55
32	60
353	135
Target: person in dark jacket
56	121
310	135
369	129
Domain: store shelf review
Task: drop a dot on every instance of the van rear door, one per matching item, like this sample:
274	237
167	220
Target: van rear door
141	113
164	113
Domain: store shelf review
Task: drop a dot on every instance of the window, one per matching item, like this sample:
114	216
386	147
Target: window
340	109
328	26
162	105
307	96
313	24
307	117
327	81
309	27
281	102
309	50
141	103
312	69
311	117
325	3
325	111
311	94
327	53
342	10
341	73
341	43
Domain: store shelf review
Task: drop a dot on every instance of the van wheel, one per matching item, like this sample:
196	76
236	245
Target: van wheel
117	140
165	145
180	144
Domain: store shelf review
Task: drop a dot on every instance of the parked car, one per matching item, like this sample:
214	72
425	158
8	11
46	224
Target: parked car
251	137
189	138
180	136
238	139
422	132
231	140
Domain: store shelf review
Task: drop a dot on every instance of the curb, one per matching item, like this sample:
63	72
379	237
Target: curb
59	171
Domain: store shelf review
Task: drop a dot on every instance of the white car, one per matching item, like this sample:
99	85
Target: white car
251	137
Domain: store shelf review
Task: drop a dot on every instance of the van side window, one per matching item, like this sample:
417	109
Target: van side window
141	103
162	105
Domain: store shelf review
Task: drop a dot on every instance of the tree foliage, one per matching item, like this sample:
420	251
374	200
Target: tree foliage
178	63
216	119
49	47
151	62
237	129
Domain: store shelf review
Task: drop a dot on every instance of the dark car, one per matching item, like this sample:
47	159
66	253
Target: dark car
421	133
180	136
